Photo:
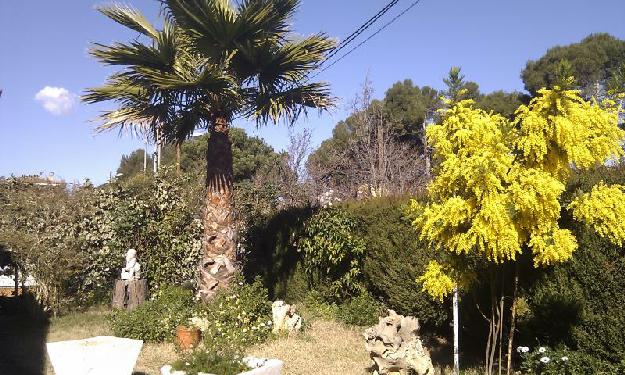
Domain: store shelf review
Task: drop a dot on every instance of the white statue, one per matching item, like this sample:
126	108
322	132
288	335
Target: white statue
132	270
284	317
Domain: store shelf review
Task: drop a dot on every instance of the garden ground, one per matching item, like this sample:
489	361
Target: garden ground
326	347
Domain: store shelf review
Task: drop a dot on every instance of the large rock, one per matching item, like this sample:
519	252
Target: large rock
101	355
395	347
284	317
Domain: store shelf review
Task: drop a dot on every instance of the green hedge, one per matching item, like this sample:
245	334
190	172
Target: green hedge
271	254
156	320
394	259
580	303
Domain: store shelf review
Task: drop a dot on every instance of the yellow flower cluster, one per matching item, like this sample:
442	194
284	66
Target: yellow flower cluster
559	129
435	282
604	210
499	183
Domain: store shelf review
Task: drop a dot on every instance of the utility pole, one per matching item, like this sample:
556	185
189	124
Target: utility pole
145	156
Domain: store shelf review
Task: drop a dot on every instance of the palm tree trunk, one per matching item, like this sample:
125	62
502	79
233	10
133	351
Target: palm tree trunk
219	256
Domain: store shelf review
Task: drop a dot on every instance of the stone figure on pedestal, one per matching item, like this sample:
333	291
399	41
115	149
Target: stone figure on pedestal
130	290
132	270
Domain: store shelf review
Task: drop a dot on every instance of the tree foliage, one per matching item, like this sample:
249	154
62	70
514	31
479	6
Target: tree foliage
332	253
250	155
591	61
73	241
498	185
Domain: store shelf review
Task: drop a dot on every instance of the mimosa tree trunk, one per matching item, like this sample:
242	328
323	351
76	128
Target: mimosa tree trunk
218	262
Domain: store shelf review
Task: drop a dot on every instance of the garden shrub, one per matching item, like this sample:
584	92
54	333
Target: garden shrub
156	320
210	362
333	252
394	259
580	303
315	306
546	361
271	253
236	317
361	310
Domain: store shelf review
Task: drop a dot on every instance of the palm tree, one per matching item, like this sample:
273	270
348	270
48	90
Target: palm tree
213	62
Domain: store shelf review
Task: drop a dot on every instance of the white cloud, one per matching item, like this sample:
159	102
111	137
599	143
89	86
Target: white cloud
56	100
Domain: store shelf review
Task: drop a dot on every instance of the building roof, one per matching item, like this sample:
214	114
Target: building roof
9	281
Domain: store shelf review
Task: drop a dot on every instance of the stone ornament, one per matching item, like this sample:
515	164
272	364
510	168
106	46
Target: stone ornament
101	355
395	347
284	318
132	270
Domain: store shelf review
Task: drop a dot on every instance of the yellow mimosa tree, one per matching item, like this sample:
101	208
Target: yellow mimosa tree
498	185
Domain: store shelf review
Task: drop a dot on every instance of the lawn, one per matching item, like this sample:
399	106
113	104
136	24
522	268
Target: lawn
77	326
325	347
330	346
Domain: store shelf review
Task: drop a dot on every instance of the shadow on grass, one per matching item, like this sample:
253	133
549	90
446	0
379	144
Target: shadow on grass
23	331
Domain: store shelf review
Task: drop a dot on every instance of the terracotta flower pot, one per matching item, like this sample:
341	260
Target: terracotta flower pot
188	337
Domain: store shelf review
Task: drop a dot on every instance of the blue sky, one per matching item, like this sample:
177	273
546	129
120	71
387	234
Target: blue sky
45	43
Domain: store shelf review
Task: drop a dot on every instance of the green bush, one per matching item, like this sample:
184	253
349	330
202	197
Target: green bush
333	252
315	306
236	318
156	320
210	362
547	361
271	254
580	303
362	310
394	259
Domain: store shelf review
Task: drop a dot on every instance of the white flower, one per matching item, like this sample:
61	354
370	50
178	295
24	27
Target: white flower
564	359
522	349
519	349
545	360
526	349
542	350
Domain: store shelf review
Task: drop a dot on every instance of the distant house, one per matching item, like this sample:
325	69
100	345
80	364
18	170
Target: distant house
7	285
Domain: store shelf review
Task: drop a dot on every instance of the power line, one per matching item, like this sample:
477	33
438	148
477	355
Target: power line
361	29
306	77
415	3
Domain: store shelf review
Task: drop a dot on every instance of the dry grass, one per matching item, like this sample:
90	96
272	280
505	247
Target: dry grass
78	326
326	347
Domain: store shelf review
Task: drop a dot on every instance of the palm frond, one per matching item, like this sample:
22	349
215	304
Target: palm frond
181	127
267	19
291	61
288	104
118	87
131	54
129	17
211	24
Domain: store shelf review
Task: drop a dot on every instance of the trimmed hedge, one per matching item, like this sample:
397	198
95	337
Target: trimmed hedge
394	259
580	303
271	254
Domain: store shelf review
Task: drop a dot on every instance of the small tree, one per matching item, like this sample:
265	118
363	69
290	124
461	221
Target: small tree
497	192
